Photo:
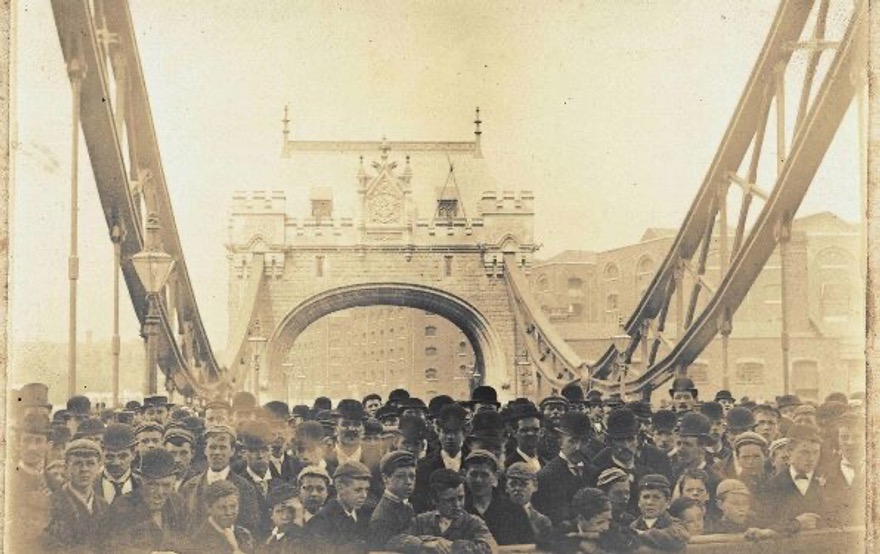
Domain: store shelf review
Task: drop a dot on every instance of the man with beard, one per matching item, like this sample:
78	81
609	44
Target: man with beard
568	472
449	528
683	394
343	523
313	485
28	491
76	513
694	435
526	422
451	430
116	480
220	441
552	408
507	522
151	518
394	513
179	442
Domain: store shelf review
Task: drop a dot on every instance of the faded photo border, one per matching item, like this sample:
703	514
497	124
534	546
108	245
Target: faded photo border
7	184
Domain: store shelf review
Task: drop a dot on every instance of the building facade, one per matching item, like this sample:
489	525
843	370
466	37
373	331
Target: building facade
587	294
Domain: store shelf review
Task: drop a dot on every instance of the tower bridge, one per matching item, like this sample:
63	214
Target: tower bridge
463	251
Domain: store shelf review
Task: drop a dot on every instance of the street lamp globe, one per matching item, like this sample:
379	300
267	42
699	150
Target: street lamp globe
153	267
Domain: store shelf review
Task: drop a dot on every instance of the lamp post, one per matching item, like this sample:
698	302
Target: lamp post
258	341
153	267
621	341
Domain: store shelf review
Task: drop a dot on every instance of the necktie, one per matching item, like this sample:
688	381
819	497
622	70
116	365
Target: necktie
117	486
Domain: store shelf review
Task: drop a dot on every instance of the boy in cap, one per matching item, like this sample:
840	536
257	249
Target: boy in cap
451	428
76	512
219	532
219	444
449	528
151	518
568	472
521	482
343	523
180	443
507	522
116	479
656	528
148	435
617	486
313	486
393	513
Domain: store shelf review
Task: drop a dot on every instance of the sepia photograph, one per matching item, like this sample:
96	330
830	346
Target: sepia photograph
438	277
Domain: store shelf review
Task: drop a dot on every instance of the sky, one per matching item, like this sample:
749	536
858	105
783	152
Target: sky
609	111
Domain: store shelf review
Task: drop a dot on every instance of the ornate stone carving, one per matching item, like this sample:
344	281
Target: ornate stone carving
384	204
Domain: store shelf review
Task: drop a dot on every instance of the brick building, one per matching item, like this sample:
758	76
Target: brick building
585	294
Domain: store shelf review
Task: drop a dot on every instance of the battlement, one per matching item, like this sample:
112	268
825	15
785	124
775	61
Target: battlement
258	202
507	202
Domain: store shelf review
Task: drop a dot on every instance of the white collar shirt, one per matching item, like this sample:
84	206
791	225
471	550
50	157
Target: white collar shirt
802	485
532	462
214	476
342	457
449	462
108	491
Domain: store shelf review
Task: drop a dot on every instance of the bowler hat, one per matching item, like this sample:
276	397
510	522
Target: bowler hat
787	400
79	405
118	436
594	398
452	418
395	460
712	410
684	384
522	410
641	409
155	402
351	409
397	395
436	404
694	424
740	419
837	397
622	424
412	403
576	425
277	409
413	428
664	421
157	464
243	401
724	395
133	405
487	424
573	392
300	410
484	394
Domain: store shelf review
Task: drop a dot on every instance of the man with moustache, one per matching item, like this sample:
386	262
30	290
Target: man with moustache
151	518
349	431
552	408
683	394
116	479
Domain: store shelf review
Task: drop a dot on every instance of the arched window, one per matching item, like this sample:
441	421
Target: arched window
430	351
431	374
805	379
543	283
575	287
644	273
611	302
430	331
611	273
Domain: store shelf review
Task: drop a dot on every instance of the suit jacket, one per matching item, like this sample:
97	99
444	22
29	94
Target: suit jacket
193	491
421	498
291	542
390	518
508	522
130	528
28	512
667	534
71	527
332	530
468	533
782	501
264	525
208	540
846	501
557	486
99	486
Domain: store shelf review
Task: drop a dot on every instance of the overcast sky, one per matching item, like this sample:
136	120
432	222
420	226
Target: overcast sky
609	111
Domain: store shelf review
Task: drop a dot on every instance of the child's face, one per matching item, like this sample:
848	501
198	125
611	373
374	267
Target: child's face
693	520
696	489
734	507
652	503
597	524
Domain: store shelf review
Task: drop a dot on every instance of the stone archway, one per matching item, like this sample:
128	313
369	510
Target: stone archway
487	345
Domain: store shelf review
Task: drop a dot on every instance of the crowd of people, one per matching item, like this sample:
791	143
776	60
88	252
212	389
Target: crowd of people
576	472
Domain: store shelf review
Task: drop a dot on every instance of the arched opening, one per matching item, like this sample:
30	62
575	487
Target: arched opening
471	327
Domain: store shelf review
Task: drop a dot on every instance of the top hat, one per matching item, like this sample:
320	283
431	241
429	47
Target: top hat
787	400
34	395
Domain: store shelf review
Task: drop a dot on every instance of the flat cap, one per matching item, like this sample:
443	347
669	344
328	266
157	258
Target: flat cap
731	486
149	425
654	481
82	447
553	399
395	460
521	470
804	409
220	430
79	405
749	437
352	470
219	489
480	456
157	464
313	471
119	436
776	445
576	425
613	475
180	433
